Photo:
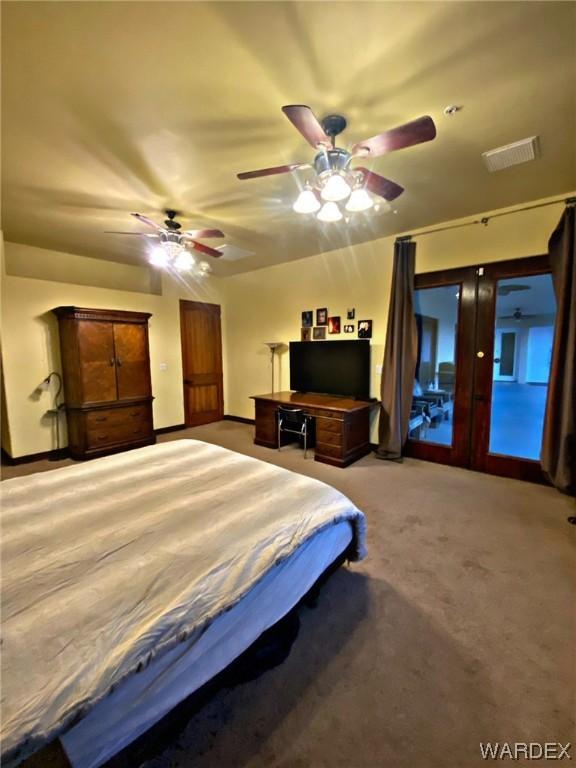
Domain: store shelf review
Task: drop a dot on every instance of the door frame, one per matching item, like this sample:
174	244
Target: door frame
480	458
189	420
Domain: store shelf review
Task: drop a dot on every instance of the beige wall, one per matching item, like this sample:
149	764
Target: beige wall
265	305
30	347
259	306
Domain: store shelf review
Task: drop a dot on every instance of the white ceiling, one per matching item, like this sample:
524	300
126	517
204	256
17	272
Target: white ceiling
111	107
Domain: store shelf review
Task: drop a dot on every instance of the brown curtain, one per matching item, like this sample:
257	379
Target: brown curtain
559	441
399	365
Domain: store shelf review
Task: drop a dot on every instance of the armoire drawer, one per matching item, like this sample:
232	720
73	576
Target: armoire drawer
113	417
120	433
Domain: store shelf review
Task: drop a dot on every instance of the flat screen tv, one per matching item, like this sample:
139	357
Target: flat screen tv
331	367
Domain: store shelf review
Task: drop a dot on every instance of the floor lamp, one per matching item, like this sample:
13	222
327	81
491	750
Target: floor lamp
272	346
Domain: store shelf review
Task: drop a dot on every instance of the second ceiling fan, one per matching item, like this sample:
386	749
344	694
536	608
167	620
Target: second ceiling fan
336	179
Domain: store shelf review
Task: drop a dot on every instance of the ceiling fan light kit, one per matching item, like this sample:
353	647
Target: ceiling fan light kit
335	180
171	251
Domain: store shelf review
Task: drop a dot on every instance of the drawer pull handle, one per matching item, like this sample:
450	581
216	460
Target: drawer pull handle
135	431
101	418
135	413
102	437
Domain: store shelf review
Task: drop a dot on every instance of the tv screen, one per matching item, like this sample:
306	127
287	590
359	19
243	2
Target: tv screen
331	367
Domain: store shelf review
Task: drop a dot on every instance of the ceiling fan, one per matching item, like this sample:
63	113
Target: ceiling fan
172	244
516	315
335	179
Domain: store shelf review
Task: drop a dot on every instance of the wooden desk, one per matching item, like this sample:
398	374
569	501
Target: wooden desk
342	424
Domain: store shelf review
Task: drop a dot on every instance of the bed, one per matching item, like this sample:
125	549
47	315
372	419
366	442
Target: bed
131	580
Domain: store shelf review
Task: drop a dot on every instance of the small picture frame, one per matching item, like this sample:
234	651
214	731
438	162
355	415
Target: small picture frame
350	314
334	324
319	333
349	328
307	319
322	316
364	329
306	334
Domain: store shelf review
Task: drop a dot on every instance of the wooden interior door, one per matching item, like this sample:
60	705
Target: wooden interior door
132	362
98	370
201	362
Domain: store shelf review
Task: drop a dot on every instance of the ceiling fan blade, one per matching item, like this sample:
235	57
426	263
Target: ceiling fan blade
380	186
146	220
199	233
134	234
415	132
306	122
206	249
272	171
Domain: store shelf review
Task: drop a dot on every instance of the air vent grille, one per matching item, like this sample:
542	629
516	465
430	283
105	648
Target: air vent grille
512	154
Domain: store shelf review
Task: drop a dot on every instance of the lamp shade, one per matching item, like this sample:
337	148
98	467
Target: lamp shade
306	202
159	257
359	200
336	188
330	212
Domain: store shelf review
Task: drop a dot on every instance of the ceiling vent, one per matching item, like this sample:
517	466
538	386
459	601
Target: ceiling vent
233	253
512	154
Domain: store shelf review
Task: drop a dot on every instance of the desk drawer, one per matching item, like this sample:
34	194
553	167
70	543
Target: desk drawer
330	425
332	451
329	438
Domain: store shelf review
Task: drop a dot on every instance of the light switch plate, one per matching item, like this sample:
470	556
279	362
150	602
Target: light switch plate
378	369
163	366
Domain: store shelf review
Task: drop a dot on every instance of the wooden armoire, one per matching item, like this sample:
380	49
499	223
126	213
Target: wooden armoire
106	372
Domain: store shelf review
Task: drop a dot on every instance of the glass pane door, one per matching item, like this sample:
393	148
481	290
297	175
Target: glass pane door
516	313
431	418
444	307
523	338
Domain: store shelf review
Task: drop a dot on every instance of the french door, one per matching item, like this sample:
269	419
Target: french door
485	341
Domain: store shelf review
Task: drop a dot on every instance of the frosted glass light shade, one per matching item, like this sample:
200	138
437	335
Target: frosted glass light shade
184	261
359	200
159	257
330	212
306	202
335	189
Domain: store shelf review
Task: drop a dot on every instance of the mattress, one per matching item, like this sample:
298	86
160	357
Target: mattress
143	699
110	564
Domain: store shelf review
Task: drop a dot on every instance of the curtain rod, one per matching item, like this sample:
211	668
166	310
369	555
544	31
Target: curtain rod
486	219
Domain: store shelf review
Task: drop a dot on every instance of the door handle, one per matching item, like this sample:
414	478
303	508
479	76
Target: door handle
496	359
118	362
112	361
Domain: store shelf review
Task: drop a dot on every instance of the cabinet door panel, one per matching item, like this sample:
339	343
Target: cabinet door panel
97	369
132	364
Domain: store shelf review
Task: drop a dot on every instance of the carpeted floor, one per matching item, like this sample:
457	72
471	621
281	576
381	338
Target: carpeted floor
459	628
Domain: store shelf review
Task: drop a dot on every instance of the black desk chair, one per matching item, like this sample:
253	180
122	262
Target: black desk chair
296	422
